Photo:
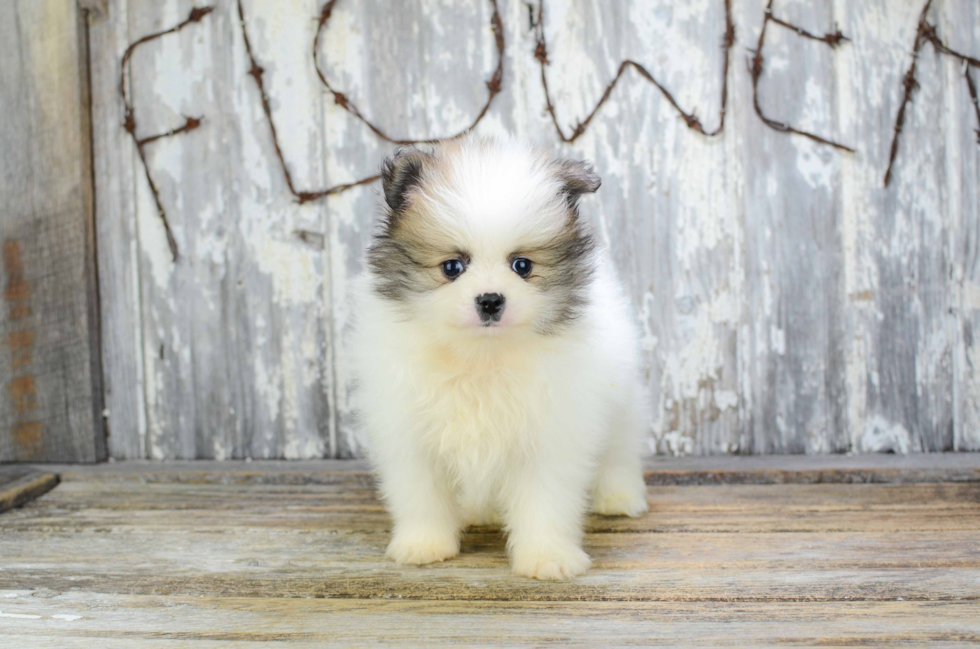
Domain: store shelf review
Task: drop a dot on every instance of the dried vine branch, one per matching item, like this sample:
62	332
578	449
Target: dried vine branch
833	39
926	33
973	98
929	33
690	118
909	85
256	71
190	123
342	100
756	66
967	61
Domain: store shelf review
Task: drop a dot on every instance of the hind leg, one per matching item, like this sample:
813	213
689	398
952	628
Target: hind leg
619	488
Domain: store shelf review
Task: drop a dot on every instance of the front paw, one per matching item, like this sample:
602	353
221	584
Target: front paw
550	564
620	503
420	548
620	496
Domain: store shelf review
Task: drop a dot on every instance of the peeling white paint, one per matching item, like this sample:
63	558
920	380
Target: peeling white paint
268	387
882	436
290	411
777	340
696	358
725	399
676	444
675	210
971	295
648	341
294	279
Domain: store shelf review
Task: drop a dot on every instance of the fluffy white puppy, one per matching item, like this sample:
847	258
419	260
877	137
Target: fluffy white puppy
496	358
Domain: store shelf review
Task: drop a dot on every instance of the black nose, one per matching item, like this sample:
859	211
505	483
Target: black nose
490	306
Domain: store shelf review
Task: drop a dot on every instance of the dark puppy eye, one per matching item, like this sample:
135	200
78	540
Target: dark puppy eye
522	266
452	268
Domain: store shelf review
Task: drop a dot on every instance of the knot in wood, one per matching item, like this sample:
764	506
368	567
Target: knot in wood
306	197
493	85
729	39
197	13
835	39
541	52
909	83
325	13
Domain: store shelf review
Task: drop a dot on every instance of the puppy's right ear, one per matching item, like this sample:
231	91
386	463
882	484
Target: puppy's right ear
577	178
400	173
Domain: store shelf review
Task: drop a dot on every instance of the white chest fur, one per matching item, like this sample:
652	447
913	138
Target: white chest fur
476	415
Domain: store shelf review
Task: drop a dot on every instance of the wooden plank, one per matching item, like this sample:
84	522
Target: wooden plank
897	258
115	174
180	301
232	333
114	562
667	210
115	621
348	508
790	361
283	552
454	581
742	543
21	484
741	566
49	326
285	324
881	468
491	582
959	23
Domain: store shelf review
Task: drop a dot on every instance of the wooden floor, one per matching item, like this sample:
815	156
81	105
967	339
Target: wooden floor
200	555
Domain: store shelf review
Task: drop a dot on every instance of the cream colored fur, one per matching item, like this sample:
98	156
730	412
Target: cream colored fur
469	424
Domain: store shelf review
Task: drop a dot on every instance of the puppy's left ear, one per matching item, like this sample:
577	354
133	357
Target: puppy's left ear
577	178
400	174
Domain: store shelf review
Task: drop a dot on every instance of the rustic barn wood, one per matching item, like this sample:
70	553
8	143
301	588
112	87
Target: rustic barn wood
107	560
118	252
964	199
51	400
20	484
659	471
106	621
788	302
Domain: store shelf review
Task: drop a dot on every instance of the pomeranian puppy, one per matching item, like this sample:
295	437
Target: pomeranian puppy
496	357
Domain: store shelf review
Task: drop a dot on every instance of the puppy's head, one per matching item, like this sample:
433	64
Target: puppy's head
484	236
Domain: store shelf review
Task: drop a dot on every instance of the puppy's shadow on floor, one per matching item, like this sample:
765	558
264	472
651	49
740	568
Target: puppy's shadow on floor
483	539
491	539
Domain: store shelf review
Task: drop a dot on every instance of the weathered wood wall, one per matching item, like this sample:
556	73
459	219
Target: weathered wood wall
50	378
789	302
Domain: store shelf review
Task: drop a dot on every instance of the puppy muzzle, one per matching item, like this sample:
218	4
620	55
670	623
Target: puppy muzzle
490	306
